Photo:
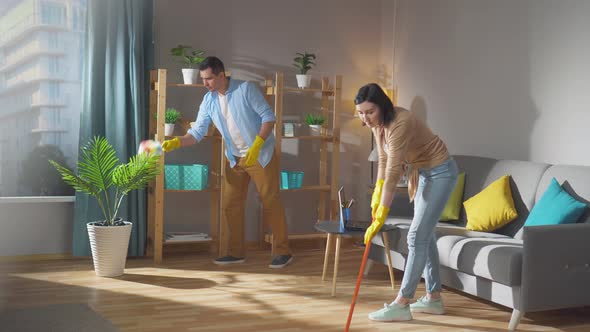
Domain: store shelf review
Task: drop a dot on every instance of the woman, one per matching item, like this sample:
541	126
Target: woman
404	141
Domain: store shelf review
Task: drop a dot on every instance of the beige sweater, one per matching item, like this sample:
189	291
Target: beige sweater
409	141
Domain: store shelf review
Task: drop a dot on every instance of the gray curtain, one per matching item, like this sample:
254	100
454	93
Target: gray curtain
119	54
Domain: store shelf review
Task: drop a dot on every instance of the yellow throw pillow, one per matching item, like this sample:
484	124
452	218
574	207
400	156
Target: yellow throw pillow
491	208
453	207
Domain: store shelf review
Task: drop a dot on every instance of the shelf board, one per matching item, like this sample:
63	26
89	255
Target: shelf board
310	236
186	85
188	241
291	89
326	187
192	191
318	137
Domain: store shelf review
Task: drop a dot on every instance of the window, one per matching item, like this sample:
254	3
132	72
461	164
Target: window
35	114
52	40
78	19
53	64
54	91
53	13
54	118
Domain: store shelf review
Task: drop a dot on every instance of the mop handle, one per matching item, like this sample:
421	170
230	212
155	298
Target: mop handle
359	279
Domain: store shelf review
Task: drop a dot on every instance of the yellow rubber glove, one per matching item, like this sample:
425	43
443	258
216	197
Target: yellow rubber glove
376	199
377	223
171	144
253	152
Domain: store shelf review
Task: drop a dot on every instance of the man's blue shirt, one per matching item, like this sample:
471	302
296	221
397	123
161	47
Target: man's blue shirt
249	110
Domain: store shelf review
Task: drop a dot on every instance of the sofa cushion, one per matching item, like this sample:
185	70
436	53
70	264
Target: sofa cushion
496	259
525	175
491	208
398	237
448	235
575	180
465	250
476	171
555	207
453	207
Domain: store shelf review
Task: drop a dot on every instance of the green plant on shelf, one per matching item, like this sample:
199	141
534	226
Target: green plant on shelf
314	119
304	62
171	115
191	59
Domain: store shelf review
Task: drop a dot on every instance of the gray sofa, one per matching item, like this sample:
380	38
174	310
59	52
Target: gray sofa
524	268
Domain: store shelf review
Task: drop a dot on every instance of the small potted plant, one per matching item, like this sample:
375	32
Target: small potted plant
190	60
303	63
101	176
315	122
172	116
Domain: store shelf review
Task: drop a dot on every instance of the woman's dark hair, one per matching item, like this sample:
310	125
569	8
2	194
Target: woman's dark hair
214	63
373	93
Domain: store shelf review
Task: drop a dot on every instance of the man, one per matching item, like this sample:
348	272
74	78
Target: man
245	120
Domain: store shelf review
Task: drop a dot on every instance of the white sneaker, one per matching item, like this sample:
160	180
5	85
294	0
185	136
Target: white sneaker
392	312
428	306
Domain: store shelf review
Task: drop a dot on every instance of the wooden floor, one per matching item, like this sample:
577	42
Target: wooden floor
189	293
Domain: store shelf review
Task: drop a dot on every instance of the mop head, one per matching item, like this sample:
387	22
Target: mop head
150	147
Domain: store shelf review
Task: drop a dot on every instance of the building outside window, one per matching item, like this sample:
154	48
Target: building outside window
53	13
52	41
53	64
37	39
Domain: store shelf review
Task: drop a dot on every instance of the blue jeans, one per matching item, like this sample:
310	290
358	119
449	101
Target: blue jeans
434	189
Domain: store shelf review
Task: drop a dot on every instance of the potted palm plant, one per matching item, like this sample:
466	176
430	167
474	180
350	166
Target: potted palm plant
190	60
101	176
303	63
315	122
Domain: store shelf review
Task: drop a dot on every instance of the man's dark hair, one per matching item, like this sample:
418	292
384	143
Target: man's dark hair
373	93
214	63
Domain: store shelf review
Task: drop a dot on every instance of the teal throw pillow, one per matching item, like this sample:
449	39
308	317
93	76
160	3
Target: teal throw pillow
555	207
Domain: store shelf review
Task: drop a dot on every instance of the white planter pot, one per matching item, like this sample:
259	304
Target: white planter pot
109	248
315	130
190	75
168	129
303	81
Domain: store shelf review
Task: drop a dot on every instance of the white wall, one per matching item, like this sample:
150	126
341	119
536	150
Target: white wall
30	226
255	38
503	78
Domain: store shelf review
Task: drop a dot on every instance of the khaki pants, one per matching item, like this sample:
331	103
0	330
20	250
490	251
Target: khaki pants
233	201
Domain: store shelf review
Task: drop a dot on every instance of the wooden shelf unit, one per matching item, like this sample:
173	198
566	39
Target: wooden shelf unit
327	188
156	190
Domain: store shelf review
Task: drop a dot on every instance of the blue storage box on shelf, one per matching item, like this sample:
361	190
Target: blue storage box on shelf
186	177
195	177
172	178
291	179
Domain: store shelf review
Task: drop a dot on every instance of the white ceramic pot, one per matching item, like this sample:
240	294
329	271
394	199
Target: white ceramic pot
190	75
303	81
168	129
315	130
109	248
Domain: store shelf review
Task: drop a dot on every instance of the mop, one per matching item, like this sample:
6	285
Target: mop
359	279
